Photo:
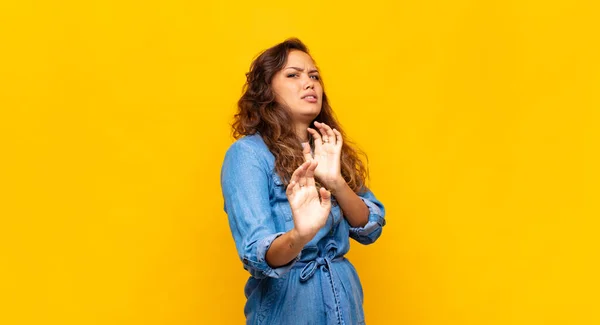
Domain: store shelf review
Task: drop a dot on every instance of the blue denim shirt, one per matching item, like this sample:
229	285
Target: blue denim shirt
319	286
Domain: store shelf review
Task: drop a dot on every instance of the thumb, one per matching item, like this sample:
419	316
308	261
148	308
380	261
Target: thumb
325	197
306	151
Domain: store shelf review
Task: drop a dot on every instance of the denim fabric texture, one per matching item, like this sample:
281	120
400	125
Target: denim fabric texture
319	286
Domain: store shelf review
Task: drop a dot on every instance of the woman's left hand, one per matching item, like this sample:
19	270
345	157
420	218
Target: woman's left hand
328	150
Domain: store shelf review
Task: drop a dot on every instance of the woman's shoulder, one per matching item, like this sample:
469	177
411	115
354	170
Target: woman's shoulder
253	142
250	147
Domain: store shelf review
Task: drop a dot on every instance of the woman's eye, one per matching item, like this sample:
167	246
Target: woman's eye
316	77
292	75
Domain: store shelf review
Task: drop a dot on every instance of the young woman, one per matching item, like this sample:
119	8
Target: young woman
294	193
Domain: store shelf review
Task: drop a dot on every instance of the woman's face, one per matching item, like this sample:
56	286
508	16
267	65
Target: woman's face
298	87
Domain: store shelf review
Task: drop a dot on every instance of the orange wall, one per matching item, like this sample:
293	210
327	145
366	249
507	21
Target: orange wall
480	120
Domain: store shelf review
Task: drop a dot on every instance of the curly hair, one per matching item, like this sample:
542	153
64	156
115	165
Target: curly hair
259	112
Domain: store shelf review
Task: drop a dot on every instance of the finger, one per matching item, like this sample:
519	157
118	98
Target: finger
291	188
306	151
325	197
302	174
296	174
318	141
338	136
330	134
310	173
304	179
323	131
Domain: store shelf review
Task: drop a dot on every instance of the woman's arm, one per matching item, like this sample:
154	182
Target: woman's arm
308	211
328	151
285	248
245	185
362	210
353	207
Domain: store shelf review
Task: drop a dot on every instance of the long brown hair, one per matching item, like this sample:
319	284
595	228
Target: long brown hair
258	112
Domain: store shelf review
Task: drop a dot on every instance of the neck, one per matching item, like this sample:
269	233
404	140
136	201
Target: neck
301	131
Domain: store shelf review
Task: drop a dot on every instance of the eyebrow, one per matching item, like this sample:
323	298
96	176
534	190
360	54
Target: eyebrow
298	69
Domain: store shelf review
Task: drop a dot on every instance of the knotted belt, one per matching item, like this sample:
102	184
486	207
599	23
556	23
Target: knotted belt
310	268
324	263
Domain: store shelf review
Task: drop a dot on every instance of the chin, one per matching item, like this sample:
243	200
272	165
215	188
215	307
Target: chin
309	116
314	112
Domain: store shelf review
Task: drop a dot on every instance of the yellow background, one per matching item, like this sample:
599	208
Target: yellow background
480	119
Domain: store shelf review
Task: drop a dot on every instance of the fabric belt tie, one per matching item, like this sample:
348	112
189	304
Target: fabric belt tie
310	268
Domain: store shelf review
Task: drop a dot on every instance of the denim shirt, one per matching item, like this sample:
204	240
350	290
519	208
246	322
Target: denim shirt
319	286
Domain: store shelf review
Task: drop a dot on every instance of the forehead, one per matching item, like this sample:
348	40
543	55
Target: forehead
299	59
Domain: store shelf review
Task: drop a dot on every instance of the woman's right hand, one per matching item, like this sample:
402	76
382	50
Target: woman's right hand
309	213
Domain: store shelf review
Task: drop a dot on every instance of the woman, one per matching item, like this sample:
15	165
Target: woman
294	194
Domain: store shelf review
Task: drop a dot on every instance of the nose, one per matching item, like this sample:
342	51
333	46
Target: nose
309	83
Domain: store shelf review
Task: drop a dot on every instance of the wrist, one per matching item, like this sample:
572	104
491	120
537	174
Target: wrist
300	239
336	185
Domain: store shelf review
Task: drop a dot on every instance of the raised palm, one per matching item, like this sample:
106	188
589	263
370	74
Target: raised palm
328	150
309	213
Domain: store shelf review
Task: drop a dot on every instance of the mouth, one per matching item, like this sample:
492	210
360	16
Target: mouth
311	98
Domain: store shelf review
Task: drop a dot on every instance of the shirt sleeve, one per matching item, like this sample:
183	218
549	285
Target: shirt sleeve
372	230
245	187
